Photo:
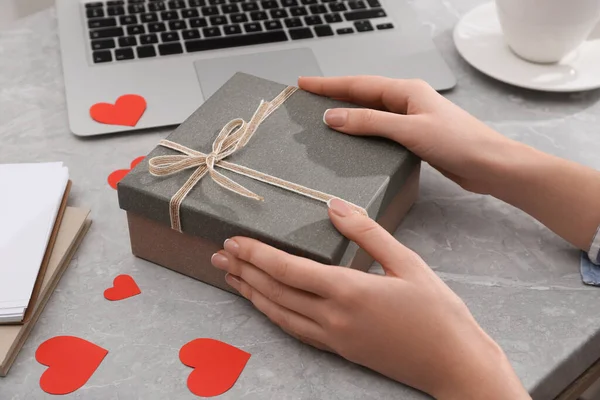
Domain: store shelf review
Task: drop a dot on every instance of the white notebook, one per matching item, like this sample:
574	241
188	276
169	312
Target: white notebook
30	198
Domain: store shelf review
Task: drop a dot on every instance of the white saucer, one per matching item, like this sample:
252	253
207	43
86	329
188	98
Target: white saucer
479	40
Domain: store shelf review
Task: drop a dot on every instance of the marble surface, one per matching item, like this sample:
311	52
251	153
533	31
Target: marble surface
520	281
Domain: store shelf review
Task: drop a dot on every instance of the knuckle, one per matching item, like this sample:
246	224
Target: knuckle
367	118
282	320
337	323
274	291
246	291
280	272
420	84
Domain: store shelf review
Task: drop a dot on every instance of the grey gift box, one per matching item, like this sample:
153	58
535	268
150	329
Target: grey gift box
293	144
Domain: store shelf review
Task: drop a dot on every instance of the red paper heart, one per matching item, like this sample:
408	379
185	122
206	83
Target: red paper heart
123	287
217	366
71	362
127	110
116	176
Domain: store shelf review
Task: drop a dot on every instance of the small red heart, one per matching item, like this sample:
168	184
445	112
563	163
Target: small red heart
217	366
116	176
127	110
123	287
71	362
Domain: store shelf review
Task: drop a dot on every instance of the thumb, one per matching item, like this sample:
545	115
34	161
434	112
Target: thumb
365	121
395	258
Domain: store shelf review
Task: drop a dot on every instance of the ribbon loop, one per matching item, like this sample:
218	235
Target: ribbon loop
232	137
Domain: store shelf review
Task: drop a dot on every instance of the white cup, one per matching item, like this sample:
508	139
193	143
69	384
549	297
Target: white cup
545	31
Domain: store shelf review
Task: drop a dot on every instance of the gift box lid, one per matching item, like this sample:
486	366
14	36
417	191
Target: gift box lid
294	144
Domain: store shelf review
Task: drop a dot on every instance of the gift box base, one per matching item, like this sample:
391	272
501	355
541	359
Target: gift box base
190	255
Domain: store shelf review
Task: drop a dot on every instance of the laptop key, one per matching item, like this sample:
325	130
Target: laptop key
298	11
232	30
385	26
128	20
146	51
95	4
101	23
210	10
236	41
114	11
333	18
364	14
135	1
150	17
176	4
115	3
273	25
318	9
157	6
238	18
136	8
337	7
191	34
127	41
268	4
95	12
169	37
300	33
198	23
279	13
258	16
309	2
190	13
345	31
218	20
157	27
106	33
357	5
323	30
293	22
169	15
216	2
252	27
313	20
177	25
136	29
251	6
211	31
196	3
230	9
374	3
103	44
289	3
124	54
102	56
148	39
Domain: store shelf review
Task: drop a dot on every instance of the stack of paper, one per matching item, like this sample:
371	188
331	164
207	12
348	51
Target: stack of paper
32	201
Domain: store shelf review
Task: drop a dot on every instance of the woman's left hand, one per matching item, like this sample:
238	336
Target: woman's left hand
407	325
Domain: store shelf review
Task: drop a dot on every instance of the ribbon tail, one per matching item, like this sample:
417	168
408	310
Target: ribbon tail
177	199
289	186
228	184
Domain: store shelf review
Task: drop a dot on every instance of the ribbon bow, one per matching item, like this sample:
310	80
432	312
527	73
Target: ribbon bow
232	137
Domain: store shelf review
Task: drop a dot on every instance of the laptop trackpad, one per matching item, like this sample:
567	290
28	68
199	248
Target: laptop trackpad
282	66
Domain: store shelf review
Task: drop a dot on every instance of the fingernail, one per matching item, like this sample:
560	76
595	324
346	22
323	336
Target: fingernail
339	207
232	278
219	261
335	117
231	246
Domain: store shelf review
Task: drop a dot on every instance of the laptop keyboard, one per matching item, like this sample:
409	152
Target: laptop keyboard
137	29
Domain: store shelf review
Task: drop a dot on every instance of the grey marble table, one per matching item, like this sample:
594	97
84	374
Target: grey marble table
520	281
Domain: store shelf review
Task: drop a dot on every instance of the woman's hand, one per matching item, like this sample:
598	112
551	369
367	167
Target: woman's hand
413	114
407	325
561	194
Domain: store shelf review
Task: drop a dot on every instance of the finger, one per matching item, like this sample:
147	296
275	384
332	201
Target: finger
284	318
302	302
310	342
369	122
297	272
395	259
370	91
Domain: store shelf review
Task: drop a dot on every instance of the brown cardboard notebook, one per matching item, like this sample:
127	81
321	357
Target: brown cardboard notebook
72	229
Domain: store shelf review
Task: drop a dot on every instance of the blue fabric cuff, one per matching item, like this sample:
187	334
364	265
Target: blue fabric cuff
594	252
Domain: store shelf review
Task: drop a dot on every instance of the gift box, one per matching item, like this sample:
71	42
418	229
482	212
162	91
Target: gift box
257	160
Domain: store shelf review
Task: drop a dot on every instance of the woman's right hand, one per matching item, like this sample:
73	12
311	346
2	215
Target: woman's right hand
413	114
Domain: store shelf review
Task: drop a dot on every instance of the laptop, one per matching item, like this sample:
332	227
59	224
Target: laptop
176	53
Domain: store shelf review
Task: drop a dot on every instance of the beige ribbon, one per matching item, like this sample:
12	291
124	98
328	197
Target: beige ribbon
234	135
